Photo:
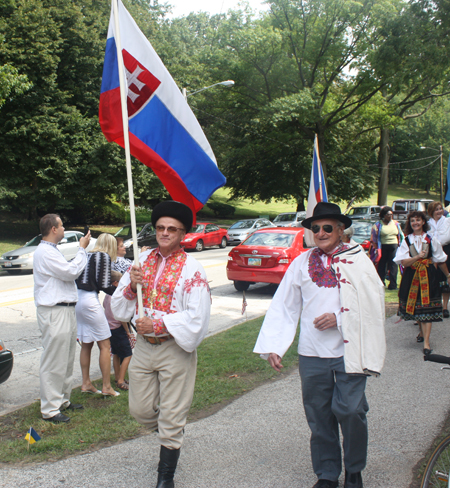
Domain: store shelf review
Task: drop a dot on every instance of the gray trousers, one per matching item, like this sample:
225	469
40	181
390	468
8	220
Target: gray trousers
58	326
331	398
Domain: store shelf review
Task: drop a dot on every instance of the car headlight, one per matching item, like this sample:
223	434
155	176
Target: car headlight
189	239
26	256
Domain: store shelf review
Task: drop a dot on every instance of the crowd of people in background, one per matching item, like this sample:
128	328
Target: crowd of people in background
422	251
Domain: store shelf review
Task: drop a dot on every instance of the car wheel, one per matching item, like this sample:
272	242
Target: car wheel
223	243
241	285
199	246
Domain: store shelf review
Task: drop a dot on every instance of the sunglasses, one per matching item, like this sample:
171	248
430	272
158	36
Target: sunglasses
170	230
328	228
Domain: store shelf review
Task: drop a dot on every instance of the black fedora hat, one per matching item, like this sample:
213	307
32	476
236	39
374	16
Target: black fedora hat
173	209
325	210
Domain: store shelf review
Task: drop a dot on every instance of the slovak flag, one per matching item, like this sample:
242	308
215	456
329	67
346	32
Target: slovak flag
164	133
317	189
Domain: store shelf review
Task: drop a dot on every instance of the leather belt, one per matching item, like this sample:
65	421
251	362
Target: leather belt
65	304
157	341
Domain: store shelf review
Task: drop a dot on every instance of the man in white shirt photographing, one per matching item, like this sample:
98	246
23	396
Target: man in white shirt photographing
336	293
55	296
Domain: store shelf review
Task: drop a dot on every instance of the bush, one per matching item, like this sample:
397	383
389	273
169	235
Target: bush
221	210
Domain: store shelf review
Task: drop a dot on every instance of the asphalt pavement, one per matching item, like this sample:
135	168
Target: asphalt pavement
261	440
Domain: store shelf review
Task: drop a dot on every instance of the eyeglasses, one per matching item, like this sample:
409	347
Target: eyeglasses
170	230
328	228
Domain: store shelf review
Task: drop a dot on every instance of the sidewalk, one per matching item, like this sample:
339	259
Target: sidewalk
262	440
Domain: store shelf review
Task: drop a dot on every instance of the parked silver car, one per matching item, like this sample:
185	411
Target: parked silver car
22	259
241	229
367	212
289	219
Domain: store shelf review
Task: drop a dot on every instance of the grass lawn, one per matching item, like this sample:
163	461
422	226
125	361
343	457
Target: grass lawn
227	368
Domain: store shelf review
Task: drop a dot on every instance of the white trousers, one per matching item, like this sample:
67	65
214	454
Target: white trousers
162	380
58	326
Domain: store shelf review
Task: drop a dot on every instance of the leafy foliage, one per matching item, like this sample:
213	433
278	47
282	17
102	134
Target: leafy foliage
55	157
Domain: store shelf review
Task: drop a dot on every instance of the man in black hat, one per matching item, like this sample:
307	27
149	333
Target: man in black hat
177	303
336	293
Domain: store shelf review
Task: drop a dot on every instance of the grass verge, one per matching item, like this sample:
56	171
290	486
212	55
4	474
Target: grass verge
227	368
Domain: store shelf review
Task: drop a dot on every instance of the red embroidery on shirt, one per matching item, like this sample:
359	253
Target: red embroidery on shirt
321	276
166	284
196	281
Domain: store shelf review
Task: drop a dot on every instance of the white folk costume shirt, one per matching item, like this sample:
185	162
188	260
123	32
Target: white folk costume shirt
182	305
437	256
308	290
440	230
54	276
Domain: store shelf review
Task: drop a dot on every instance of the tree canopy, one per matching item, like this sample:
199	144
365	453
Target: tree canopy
363	76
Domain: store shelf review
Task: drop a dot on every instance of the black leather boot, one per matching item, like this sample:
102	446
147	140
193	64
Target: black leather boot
168	459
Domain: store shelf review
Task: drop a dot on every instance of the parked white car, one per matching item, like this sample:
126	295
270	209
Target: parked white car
22	259
290	219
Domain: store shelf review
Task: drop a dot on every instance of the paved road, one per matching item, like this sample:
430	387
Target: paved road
21	334
262	441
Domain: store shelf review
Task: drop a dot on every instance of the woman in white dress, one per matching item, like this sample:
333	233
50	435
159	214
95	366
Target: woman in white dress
92	325
440	230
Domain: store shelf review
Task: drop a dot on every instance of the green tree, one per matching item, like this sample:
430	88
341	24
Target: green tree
413	62
293	72
55	157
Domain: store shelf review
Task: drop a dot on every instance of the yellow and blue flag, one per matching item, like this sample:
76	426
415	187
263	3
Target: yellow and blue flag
32	436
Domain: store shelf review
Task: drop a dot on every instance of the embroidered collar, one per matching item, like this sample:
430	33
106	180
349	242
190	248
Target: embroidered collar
49	243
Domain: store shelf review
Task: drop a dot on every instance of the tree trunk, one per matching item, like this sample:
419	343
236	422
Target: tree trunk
300	203
383	164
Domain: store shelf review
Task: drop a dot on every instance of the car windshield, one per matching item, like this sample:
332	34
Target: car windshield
243	224
123	232
285	217
362	230
198	229
35	241
146	230
359	211
270	239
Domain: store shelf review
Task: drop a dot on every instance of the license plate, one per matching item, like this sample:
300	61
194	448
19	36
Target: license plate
8	265
254	261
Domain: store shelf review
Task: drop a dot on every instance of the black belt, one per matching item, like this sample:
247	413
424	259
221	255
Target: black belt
64	304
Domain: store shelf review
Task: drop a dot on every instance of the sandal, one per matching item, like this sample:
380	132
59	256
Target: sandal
419	338
122	386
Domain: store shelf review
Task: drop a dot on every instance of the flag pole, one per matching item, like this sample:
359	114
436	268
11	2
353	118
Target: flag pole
126	140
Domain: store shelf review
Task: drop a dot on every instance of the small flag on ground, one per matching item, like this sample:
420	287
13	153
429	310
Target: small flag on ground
244	303
32	436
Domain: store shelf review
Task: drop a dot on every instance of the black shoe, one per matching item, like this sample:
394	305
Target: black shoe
326	484
446	314
353	480
168	460
58	418
73	406
419	338
427	351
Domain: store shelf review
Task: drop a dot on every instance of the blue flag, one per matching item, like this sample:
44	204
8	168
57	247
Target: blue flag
32	436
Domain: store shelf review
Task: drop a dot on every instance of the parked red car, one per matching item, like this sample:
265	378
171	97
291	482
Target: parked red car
205	234
265	256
